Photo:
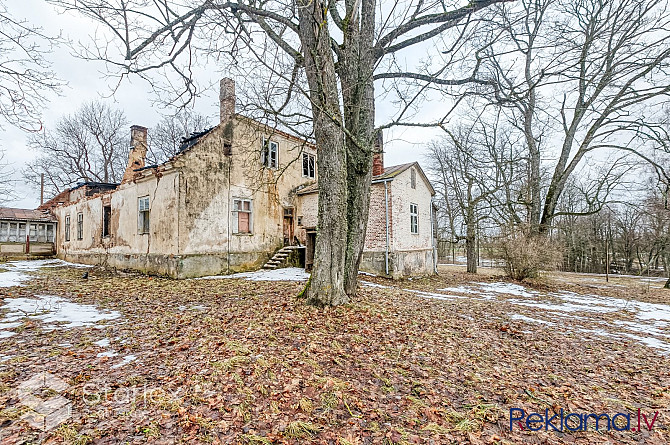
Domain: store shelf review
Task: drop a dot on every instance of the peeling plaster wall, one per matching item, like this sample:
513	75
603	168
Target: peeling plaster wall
190	213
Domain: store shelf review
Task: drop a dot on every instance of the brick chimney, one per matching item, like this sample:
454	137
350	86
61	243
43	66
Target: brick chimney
378	155
138	151
227	99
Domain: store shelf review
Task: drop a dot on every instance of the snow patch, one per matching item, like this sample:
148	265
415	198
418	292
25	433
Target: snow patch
102	343
530	320
284	274
107	354
127	359
52	309
371	284
14	272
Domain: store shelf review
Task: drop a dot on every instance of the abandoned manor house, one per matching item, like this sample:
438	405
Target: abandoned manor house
237	197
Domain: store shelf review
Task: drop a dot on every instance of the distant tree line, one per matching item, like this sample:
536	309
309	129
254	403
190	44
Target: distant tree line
564	138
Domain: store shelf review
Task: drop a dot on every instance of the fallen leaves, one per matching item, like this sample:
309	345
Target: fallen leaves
231	361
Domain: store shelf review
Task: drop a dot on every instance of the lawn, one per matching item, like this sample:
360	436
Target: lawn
436	360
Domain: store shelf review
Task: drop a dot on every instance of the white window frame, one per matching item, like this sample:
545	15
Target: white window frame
143	215
67	228
236	209
80	226
306	157
269	147
414	219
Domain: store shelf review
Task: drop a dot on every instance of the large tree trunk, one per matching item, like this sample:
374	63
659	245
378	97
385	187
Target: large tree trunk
326	286
356	70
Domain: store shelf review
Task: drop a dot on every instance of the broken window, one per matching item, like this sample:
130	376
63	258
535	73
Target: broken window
413	178
414	218
80	226
33	232
67	228
50	233
242	216
22	233
308	165
143	215
106	220
270	154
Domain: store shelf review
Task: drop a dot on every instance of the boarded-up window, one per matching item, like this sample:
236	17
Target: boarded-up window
80	226
270	154
242	221
414	218
308	165
67	228
143	215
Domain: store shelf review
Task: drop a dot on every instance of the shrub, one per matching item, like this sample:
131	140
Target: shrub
525	254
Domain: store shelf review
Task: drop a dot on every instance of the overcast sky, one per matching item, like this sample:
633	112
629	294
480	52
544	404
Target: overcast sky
87	81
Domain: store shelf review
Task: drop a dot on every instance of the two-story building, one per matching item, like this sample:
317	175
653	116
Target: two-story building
230	198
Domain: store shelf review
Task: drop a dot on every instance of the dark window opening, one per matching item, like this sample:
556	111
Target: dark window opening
106	220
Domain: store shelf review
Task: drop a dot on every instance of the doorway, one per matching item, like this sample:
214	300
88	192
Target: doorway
288	226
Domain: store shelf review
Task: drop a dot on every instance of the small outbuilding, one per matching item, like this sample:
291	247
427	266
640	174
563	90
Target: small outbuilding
26	232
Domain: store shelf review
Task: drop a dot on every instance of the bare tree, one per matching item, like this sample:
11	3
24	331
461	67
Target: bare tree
473	165
25	74
579	79
327	52
89	145
165	138
6	182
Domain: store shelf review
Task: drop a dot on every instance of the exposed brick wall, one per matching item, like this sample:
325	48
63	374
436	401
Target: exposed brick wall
375	238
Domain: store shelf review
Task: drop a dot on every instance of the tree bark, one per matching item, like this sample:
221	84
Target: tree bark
357	84
326	286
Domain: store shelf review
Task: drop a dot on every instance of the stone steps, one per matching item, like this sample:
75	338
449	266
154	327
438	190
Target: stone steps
280	257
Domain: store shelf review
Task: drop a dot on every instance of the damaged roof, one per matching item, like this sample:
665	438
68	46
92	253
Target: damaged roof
8	213
193	139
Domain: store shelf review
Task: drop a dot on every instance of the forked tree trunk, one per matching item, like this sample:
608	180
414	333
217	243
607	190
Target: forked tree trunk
357	85
326	287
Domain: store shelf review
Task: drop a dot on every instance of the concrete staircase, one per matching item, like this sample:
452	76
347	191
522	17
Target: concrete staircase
280	257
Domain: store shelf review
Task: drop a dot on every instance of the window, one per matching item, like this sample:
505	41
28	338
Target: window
270	154
14	233
242	216
308	165
42	233
413	178
67	228
80	226
22	233
33	232
106	220
143	215
4	231
51	236
414	218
